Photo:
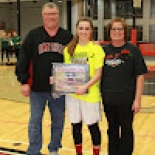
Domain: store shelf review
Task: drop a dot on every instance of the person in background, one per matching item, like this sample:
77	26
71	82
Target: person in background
84	105
10	45
5	44
17	41
122	85
42	46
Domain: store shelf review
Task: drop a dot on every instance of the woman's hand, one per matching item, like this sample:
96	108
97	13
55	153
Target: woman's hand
136	106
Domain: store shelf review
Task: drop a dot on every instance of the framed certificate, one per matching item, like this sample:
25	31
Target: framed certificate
67	77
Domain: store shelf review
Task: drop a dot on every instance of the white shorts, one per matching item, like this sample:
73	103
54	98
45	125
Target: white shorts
79	110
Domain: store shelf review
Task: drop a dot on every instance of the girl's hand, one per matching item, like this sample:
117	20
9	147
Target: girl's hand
51	80
81	90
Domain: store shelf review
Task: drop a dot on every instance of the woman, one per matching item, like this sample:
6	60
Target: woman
17	40
84	106
121	86
5	47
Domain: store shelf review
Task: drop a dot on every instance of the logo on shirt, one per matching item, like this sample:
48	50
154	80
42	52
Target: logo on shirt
50	47
117	59
80	58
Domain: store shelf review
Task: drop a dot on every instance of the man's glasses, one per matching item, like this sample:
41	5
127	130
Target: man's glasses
50	14
117	29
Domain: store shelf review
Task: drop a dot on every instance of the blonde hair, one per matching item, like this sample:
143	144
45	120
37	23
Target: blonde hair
72	45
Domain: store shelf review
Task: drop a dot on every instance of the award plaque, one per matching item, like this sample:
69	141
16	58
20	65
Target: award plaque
67	77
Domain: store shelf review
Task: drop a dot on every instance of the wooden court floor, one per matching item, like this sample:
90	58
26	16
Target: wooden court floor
14	115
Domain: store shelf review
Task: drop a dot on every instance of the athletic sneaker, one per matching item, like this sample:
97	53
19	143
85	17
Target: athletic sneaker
53	153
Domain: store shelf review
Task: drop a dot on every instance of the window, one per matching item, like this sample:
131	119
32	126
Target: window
92	9
125	9
152	10
105	34
107	9
95	33
122	8
95	9
152	33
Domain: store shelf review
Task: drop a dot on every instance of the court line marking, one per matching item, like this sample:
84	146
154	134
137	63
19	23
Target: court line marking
44	146
10	153
68	128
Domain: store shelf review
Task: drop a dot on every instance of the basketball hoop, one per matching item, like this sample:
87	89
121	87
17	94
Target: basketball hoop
137	3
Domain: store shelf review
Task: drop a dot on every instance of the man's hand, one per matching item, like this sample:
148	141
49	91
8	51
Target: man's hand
25	90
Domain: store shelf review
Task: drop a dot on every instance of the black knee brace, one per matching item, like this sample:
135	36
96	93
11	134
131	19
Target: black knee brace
95	134
77	133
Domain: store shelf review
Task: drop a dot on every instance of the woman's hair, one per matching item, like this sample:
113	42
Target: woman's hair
125	27
72	45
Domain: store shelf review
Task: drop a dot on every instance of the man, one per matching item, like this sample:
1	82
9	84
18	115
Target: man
41	47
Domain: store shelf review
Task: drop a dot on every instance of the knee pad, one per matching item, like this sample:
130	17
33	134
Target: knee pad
95	134
77	132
